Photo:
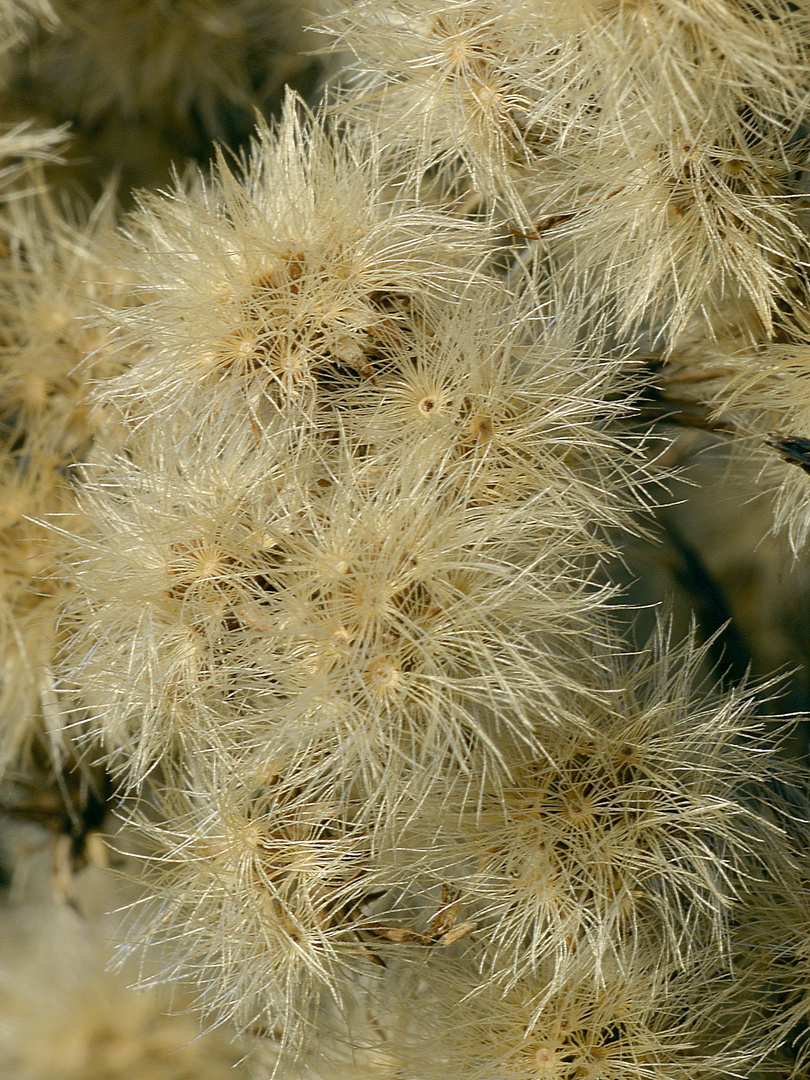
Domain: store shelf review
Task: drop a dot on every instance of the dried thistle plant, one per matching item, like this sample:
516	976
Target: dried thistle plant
313	481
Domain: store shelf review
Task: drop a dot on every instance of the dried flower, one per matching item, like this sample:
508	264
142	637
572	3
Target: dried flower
49	284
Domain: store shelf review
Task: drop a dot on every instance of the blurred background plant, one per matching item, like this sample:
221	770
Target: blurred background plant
403	594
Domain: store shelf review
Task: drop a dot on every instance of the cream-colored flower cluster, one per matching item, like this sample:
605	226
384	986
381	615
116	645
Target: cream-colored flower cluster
361	507
648	148
651	155
315	476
